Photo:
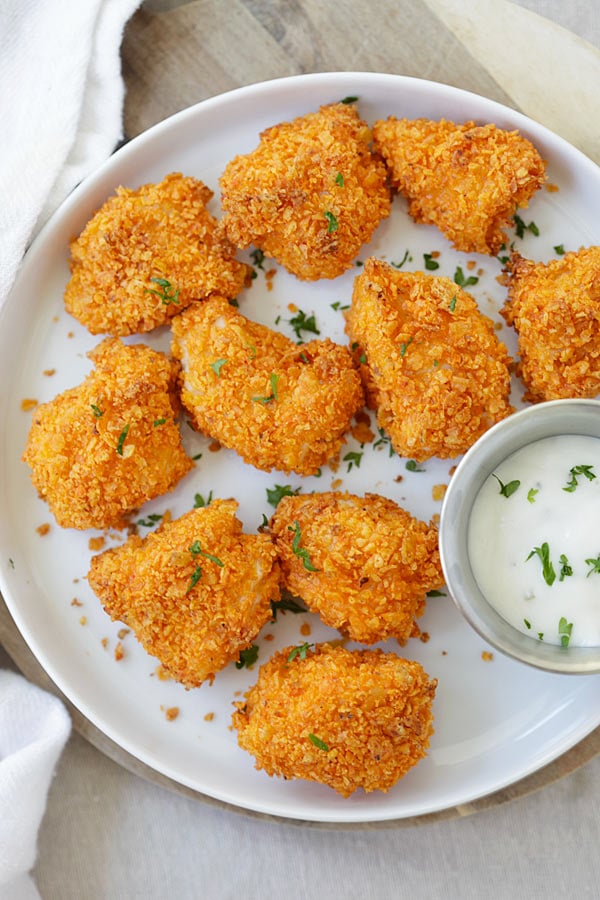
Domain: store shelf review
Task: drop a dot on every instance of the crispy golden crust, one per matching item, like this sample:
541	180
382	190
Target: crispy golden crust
278	405
435	370
468	180
371	711
194	623
101	449
555	309
310	195
158	231
374	562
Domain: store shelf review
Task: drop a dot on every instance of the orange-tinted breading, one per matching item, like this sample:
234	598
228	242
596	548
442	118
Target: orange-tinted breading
435	370
195	592
146	255
555	309
347	719
310	195
370	563
468	179
257	392
101	449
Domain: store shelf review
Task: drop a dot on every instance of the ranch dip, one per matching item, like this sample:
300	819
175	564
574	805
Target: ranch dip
534	540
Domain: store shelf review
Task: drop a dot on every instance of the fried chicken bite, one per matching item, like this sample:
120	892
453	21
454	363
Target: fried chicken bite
363	564
347	719
555	309
195	592
435	371
310	194
147	254
257	392
468	179
101	449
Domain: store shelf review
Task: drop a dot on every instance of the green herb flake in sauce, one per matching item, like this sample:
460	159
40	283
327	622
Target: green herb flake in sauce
543	553
564	631
507	490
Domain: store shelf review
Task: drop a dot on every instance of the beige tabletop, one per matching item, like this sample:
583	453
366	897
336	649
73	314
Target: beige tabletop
109	832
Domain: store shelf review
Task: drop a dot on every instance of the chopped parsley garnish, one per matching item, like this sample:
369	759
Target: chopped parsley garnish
527	623
332	222
462	281
200	501
383	440
196	551
273	381
564	631
406	258
217	365
559	249
247	657
319	744
521	227
338	305
301	552
531	494
348	100
507	489
353	458
275	494
150	520
595	564
405	345
165	286
300	651
362	359
430	263
301	322
287	603
258	257
339	179
547	568
413	466
97	411
436	594
586	471
452	304
197	456
158	422
565	568
121	441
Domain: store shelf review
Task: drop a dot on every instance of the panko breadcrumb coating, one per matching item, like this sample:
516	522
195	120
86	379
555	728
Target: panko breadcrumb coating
257	392
195	592
435	370
310	195
468	179
347	719
555	309
371	563
101	449
146	255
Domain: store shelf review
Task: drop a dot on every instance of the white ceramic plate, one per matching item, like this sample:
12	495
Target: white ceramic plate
496	721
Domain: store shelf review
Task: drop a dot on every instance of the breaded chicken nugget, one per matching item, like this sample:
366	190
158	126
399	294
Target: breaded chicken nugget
555	309
466	179
146	255
101	449
435	370
310	195
363	563
277	404
347	719
195	592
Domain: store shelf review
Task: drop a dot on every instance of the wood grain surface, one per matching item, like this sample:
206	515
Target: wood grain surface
176	54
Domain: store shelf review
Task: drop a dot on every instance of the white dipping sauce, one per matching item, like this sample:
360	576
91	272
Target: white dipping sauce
563	525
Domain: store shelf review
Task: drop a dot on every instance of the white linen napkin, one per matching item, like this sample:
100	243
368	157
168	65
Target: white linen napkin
34	727
61	98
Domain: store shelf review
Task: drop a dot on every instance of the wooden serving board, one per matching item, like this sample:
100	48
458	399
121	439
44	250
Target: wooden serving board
176	54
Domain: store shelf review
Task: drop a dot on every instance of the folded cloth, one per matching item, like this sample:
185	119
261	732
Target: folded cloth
61	100
34	727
